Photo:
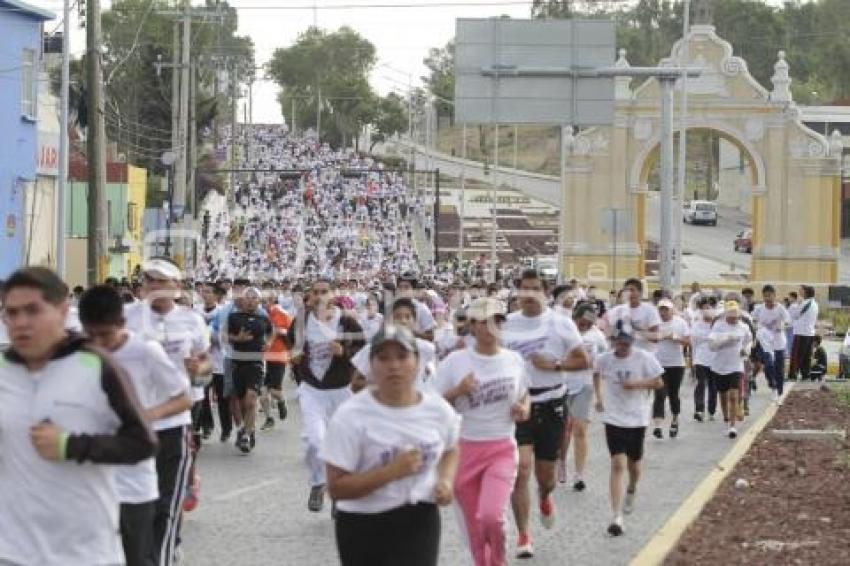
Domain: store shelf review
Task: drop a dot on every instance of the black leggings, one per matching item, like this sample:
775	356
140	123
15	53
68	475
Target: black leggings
706	385
672	382
408	535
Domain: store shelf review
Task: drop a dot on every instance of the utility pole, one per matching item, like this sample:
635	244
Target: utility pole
234	93
319	113
193	142
175	91
62	187
683	152
98	236
462	196
183	125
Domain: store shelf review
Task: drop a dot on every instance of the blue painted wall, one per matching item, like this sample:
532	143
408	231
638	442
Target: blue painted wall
19	29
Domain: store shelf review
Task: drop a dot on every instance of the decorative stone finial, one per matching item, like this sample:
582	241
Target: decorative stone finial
781	80
703	12
622	90
836	144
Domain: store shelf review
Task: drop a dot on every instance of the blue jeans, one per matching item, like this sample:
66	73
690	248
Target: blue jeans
774	370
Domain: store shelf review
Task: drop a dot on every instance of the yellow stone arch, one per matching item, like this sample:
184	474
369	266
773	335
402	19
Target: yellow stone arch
795	185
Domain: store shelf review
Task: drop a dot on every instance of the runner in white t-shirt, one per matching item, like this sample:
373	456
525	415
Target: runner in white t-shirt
701	356
391	459
162	392
550	345
580	395
488	386
773	316
730	341
640	317
623	381
675	335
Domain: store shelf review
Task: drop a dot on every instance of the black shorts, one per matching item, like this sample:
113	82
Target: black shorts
628	441
727	381
246	376
274	375
543	429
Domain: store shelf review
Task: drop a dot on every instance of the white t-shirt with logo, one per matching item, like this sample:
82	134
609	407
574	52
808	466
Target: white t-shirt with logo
595	344
627	408
155	381
365	434
729	340
671	354
552	335
319	336
502	381
426	367
181	332
702	352
638	319
775	320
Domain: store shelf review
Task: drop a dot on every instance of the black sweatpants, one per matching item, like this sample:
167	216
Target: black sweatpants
137	532
672	378
224	418
408	535
803	346
706	384
172	468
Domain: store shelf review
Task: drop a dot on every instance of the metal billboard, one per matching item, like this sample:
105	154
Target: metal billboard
534	71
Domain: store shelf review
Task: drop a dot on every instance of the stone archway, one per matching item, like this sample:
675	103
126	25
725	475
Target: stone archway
796	171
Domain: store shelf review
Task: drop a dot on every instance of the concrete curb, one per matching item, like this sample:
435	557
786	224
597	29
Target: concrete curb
659	546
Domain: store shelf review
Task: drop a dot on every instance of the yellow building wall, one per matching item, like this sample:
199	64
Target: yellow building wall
137	184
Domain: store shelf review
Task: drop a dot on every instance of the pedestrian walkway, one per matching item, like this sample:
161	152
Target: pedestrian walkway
253	510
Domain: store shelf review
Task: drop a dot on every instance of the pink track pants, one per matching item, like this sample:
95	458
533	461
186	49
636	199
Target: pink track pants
483	486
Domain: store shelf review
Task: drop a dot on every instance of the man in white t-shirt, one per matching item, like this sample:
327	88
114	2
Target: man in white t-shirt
638	318
550	345
623	381
804	318
185	338
162	392
730	340
773	316
425	323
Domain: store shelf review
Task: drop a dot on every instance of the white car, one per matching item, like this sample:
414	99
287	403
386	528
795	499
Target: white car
700	212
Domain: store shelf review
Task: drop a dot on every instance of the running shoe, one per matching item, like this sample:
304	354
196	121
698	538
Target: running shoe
674	430
547	513
244	444
190	502
524	548
225	436
207	434
268	425
240	434
698	417
317	498
252	439
629	504
281	409
562	471
656	432
615	529
732	432
579	485
711	417
774	396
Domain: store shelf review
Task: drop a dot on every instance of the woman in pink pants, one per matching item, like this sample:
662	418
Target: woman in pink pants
488	386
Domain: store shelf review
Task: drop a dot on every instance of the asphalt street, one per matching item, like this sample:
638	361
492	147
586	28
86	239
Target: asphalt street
253	512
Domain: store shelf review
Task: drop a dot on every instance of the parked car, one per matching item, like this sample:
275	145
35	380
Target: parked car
744	242
700	212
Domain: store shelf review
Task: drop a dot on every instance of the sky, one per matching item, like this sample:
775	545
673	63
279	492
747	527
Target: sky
402	36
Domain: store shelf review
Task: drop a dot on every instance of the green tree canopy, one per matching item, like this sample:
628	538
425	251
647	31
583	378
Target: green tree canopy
328	73
391	118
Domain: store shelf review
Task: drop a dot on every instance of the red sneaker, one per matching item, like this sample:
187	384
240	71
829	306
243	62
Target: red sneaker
547	513
190	502
524	548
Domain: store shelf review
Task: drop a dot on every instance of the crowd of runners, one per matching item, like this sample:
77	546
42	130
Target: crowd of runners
414	391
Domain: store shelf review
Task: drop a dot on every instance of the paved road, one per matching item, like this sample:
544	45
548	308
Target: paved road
713	242
253	509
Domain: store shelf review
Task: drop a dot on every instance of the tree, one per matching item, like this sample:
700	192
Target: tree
137	36
441	79
391	118
327	73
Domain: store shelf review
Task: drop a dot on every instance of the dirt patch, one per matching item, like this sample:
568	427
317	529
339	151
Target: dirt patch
795	506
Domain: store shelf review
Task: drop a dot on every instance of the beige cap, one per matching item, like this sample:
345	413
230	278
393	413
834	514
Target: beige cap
485	308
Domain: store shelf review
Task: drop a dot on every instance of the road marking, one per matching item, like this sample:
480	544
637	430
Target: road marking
242	491
665	539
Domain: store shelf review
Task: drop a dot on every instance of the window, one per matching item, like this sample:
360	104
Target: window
28	84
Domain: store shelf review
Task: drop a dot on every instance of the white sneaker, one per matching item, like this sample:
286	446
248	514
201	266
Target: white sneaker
732	432
629	504
524	549
774	396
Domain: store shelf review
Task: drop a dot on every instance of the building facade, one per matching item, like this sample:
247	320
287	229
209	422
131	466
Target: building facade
21	28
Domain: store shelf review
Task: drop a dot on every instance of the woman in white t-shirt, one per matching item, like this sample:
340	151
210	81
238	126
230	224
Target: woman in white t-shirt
670	353
391	459
623	382
488	386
